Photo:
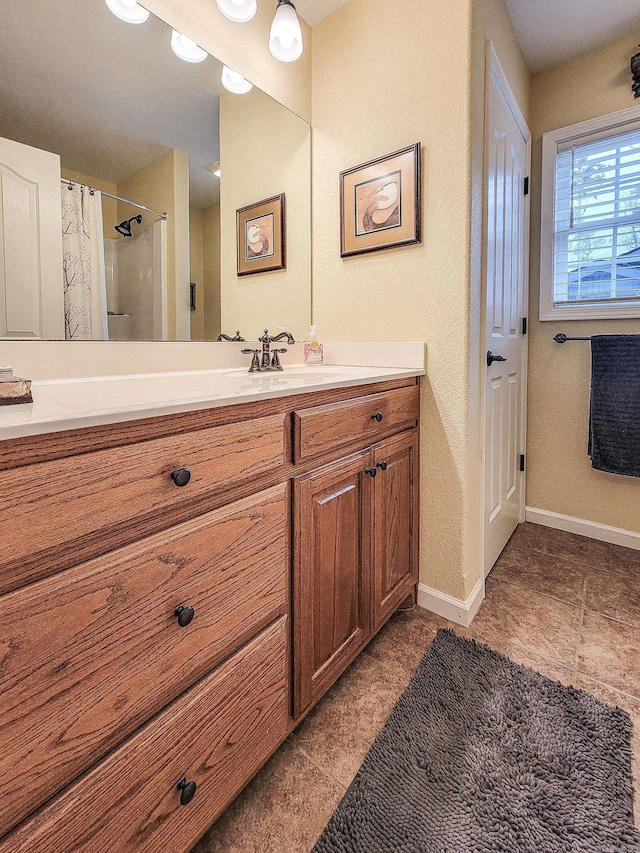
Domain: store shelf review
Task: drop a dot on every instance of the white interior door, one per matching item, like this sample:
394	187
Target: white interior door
31	283
506	262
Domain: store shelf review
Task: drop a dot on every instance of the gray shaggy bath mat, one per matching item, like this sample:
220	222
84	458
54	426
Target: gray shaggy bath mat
481	755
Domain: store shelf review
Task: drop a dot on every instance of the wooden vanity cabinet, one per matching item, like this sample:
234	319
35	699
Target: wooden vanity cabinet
355	557
162	634
332	590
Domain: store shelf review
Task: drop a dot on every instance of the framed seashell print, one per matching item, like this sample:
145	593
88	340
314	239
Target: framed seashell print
261	236
380	203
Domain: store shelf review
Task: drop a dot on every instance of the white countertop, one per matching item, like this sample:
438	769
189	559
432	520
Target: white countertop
64	404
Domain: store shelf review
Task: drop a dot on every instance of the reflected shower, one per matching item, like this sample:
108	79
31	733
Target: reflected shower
125	226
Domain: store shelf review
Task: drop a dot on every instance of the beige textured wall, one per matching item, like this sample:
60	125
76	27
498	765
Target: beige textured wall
244	47
109	205
164	186
382	81
560	478
265	150
211	271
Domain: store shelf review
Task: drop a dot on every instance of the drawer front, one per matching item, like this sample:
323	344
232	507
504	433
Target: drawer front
89	655
358	422
54	507
217	735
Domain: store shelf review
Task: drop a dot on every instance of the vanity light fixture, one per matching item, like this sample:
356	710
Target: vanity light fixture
234	82
128	10
285	38
240	11
187	49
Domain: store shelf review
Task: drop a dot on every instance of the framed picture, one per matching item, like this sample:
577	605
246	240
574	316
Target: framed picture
380	203
260	237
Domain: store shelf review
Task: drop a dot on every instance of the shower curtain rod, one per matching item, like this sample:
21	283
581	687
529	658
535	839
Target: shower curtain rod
71	183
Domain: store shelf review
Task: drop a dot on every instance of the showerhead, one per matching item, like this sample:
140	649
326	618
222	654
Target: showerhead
124	227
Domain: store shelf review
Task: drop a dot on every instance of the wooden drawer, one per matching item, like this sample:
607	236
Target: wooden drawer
89	655
217	735
335	426
53	508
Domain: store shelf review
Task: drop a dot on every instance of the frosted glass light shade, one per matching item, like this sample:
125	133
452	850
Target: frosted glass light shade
239	11
285	38
234	82
186	49
128	10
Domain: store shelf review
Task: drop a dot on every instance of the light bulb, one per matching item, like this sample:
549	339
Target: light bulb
285	38
234	82
186	49
239	11
128	10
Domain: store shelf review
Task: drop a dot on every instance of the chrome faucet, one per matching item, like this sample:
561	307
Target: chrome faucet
270	358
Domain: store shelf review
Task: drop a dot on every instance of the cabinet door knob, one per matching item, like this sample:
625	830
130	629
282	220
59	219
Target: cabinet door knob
187	791
372	472
181	476
377	417
382	466
184	615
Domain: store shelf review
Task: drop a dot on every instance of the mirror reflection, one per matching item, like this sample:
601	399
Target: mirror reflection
123	168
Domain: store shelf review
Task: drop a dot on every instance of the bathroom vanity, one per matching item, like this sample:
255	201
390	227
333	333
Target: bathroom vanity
180	584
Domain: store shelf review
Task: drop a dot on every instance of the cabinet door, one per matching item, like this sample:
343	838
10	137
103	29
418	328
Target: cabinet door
395	524
331	573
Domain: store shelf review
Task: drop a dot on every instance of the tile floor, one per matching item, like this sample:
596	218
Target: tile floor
562	604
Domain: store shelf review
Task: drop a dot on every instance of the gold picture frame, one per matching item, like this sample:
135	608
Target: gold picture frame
380	203
261	236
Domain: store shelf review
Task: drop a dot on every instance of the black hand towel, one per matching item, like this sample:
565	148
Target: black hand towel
614	428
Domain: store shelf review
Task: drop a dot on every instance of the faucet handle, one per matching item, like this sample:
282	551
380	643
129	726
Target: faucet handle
255	361
266	337
275	359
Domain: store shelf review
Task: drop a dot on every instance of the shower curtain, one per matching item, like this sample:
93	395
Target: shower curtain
85	288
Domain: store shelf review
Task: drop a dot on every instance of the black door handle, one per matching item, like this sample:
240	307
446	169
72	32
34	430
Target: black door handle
372	472
491	358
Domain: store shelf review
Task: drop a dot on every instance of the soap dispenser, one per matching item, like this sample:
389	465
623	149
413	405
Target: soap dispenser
313	350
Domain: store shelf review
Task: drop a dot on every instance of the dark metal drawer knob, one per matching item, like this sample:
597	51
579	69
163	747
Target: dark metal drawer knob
372	472
187	791
181	476
185	615
382	466
377	417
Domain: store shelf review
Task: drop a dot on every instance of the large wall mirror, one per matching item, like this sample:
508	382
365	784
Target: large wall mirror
122	168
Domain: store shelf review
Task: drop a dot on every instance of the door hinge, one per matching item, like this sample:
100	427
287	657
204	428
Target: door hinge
524	325
526	185
522	460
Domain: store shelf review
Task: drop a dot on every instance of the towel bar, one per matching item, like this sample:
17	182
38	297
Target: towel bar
562	339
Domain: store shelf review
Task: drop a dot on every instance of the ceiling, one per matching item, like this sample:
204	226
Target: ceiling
314	11
108	97
554	31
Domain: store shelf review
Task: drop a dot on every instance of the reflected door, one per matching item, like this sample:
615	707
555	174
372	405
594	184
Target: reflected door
31	284
506	286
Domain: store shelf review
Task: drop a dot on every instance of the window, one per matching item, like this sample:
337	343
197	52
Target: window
590	237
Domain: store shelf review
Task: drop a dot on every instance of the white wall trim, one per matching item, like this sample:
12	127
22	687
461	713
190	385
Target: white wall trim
601	532
453	609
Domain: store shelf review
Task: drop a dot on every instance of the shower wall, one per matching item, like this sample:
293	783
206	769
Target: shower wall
136	285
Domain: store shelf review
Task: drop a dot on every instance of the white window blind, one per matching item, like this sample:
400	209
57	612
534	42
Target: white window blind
596	251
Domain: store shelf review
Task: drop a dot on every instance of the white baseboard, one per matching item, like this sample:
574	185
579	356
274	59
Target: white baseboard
453	609
601	532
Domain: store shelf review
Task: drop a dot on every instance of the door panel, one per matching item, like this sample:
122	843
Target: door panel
331	573
31	288
506	305
394	524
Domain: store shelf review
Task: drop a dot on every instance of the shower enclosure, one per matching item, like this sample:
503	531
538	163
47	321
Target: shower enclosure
137	284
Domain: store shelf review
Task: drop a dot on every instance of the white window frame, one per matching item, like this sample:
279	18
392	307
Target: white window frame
608	125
